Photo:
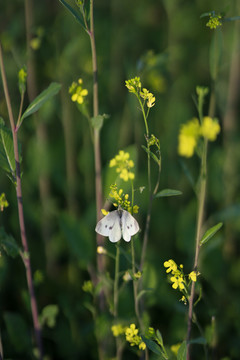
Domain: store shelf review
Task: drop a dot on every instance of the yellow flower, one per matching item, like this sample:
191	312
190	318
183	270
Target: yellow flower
193	275
178	282
174	348
151	101
123	165
133	338
3	202
188	136
118	330
210	128
214	21
133	85
77	92
104	212
171	265
142	346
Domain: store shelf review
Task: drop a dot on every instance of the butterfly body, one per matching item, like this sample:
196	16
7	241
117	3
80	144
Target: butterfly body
116	224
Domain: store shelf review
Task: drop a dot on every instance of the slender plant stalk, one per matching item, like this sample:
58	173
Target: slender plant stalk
201	202
26	254
96	135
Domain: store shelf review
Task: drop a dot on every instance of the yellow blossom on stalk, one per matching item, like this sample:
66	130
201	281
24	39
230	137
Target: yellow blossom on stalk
210	128
178	281
193	275
146	95
184	300
133	85
151	100
171	265
214	21
77	92
104	212
3	202
120	198
123	165
133	338
188	136
133	209
118	330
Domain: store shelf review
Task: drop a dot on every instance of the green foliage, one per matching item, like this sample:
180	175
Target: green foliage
210	233
45	95
18	332
8	244
182	351
49	315
7	158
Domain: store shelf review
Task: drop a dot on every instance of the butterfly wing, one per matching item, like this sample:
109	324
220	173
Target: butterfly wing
110	226
129	225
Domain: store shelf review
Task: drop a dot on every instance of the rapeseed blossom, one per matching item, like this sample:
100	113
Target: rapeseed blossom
123	165
133	338
192	131
188	137
77	92
214	21
118	329
210	128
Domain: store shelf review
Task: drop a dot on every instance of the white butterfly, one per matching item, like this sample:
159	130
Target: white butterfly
118	223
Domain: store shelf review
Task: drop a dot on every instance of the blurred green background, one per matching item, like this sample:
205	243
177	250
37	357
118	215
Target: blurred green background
168	45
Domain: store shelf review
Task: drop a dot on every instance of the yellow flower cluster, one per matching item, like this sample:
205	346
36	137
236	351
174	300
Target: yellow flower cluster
3	202
146	95
133	338
190	132
123	164
135	86
178	278
121	200
77	92
118	329
214	21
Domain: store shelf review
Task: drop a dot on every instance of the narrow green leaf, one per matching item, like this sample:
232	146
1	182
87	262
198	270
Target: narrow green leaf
168	192
154	347
153	156
8	244
45	95
74	13
210	232
182	351
7	159
159	337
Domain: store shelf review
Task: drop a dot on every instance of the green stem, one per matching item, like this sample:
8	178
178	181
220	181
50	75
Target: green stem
201	202
115	291
26	255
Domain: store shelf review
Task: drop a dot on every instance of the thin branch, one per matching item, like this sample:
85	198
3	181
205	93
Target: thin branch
26	256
